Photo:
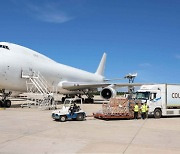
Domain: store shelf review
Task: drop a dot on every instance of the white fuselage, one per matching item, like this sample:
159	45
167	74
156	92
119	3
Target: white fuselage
19	59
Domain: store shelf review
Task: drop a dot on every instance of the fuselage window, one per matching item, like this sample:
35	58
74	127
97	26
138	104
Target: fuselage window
4	46
7	47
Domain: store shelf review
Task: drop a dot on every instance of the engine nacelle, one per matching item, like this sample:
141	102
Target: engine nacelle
108	92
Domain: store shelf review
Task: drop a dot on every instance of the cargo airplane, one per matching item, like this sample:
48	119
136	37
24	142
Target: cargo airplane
18	61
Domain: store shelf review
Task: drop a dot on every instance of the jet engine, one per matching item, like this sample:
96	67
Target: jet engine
108	92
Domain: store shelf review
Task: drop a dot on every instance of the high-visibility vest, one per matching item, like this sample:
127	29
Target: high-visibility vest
143	108
136	108
147	108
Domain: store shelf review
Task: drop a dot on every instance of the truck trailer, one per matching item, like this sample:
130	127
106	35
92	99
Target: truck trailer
162	99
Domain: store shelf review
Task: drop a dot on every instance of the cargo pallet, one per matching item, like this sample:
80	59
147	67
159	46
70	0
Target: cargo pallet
116	109
112	116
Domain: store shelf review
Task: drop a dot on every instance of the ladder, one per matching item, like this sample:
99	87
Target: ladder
37	84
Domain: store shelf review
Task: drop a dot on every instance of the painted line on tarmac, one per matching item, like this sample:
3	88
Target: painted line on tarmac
2	109
135	136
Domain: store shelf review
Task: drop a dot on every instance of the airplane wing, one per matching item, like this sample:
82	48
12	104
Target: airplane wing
130	84
81	86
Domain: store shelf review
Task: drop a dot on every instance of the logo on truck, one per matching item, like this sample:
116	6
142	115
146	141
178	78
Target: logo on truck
175	95
156	99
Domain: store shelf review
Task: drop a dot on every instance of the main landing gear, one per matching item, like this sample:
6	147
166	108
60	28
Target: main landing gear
89	100
67	96
85	100
88	93
4	102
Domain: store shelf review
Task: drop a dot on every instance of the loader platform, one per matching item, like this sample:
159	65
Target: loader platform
112	116
116	109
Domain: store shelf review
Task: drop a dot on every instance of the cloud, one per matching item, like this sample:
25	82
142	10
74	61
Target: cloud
145	65
177	56
48	12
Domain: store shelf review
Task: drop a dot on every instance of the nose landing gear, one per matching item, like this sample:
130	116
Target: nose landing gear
4	102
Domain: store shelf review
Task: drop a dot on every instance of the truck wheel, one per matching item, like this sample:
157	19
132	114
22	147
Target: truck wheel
62	118
80	117
157	113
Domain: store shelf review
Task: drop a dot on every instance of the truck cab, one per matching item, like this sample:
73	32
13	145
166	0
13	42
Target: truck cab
153	95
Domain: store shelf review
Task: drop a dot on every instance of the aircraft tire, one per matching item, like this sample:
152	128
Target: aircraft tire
7	103
1	103
89	100
63	99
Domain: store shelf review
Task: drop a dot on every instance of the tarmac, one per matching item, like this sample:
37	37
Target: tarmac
32	130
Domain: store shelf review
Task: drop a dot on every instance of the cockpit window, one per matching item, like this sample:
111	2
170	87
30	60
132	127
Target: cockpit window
4	46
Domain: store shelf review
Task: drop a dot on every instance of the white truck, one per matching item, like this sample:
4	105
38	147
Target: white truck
162	99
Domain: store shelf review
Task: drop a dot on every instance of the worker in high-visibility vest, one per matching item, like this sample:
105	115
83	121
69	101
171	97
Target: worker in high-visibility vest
136	111
143	110
147	109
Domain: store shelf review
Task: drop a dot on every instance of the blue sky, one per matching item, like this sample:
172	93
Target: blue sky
140	36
